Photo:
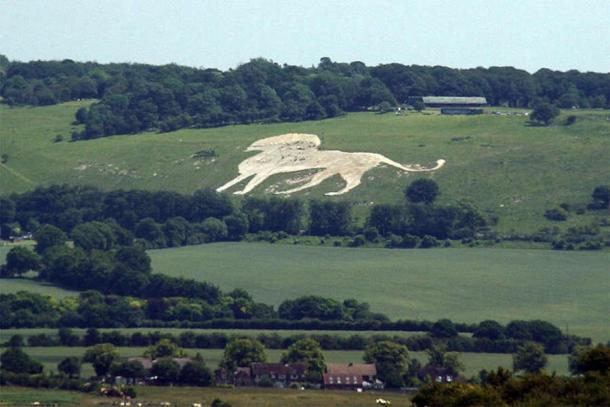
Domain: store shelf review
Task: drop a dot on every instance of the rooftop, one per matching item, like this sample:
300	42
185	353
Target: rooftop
457	100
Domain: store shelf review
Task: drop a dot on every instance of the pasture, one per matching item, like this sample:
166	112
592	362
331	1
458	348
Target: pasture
185	396
473	362
13	285
569	289
504	165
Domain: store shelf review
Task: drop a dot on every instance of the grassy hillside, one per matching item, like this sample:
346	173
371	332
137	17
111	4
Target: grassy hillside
569	289
511	168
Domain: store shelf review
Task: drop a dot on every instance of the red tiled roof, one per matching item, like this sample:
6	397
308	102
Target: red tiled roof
262	369
352	374
351	369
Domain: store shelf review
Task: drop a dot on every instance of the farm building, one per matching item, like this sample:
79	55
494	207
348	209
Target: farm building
449	101
280	374
350	376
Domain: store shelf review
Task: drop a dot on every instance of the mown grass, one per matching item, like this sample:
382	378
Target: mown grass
473	362
515	170
569	289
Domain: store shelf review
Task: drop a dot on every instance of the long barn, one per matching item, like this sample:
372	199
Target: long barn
450	101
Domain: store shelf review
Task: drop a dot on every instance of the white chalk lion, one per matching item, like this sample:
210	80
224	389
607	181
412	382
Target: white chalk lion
299	152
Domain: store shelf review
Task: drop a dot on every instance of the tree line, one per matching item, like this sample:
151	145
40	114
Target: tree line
546	334
140	97
526	383
100	220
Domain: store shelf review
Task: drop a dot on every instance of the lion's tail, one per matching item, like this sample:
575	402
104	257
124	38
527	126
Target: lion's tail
415	167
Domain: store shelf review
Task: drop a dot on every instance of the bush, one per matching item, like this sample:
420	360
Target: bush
17	361
265	382
443	328
357	241
423	190
570	120
556	214
428	242
544	113
409	241
371	234
601	197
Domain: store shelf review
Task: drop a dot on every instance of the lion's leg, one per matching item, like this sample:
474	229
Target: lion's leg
351	182
315	180
253	183
234	181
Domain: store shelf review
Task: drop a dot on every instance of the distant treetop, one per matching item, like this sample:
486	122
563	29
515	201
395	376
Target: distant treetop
139	97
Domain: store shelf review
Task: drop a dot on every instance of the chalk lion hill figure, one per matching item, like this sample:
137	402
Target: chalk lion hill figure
298	152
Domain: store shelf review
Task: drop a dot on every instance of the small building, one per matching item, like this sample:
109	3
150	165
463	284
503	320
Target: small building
281	374
350	376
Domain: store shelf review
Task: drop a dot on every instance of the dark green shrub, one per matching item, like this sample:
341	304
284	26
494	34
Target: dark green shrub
556	214
428	242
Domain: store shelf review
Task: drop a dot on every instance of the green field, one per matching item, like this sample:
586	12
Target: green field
13	285
504	165
569	289
473	362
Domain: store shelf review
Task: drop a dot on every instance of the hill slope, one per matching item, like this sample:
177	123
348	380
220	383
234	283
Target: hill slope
513	169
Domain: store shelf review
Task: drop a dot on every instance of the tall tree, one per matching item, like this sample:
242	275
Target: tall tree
530	358
48	236
391	359
307	351
544	113
243	352
101	356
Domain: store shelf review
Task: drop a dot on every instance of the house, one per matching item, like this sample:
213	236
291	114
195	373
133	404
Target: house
241	376
350	375
278	374
281	374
